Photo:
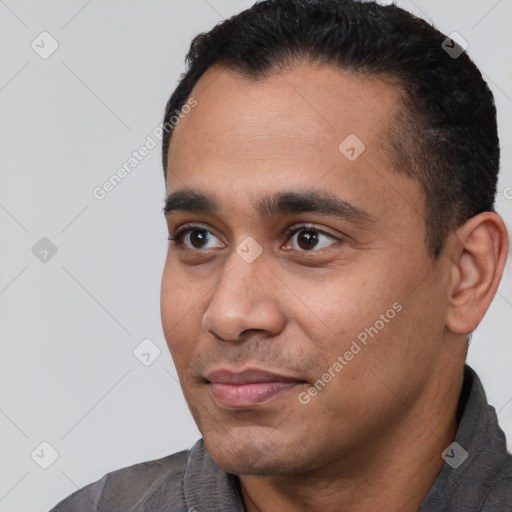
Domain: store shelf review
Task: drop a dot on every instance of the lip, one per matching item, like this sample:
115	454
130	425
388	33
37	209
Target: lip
248	388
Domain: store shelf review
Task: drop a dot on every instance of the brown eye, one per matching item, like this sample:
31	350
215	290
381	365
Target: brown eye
307	239
193	237
198	237
310	238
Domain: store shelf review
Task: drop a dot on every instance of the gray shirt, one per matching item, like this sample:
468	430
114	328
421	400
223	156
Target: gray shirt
189	481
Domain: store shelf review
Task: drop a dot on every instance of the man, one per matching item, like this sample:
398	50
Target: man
331	167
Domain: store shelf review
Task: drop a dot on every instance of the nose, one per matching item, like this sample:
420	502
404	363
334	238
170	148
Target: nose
245	299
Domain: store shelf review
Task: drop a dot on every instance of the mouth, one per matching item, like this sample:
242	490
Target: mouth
248	388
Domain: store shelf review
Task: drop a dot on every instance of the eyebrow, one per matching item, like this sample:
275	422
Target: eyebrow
286	202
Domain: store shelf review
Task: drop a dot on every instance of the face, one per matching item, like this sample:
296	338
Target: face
301	299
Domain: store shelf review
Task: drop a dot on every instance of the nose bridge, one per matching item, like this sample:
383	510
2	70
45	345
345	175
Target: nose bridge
243	298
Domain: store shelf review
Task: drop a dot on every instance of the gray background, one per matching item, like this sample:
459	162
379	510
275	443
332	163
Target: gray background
70	324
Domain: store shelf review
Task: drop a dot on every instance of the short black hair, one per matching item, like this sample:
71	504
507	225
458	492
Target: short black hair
445	133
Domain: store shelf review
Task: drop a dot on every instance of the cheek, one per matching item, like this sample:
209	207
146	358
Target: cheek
168	300
374	305
179	308
339	305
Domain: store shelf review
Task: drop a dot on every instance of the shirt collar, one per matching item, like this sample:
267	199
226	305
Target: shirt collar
465	486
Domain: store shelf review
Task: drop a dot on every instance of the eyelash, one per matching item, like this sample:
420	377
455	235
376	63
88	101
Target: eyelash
181	232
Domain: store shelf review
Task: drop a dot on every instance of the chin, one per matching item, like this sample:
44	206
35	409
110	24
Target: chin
257	457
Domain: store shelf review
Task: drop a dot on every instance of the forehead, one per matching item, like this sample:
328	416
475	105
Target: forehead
246	139
305	109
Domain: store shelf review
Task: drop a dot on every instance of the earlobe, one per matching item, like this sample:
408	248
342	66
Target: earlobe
480	256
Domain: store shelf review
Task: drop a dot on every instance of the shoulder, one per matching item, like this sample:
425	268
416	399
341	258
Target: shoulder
500	494
155	481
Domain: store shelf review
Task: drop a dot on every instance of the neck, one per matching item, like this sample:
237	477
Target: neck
395	472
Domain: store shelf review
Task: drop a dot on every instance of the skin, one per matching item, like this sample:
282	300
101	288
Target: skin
372	438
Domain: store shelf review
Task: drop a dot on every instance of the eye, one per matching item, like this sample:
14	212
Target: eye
309	238
196	237
199	236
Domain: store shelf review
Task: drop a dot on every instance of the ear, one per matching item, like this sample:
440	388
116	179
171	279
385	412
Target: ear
480	252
